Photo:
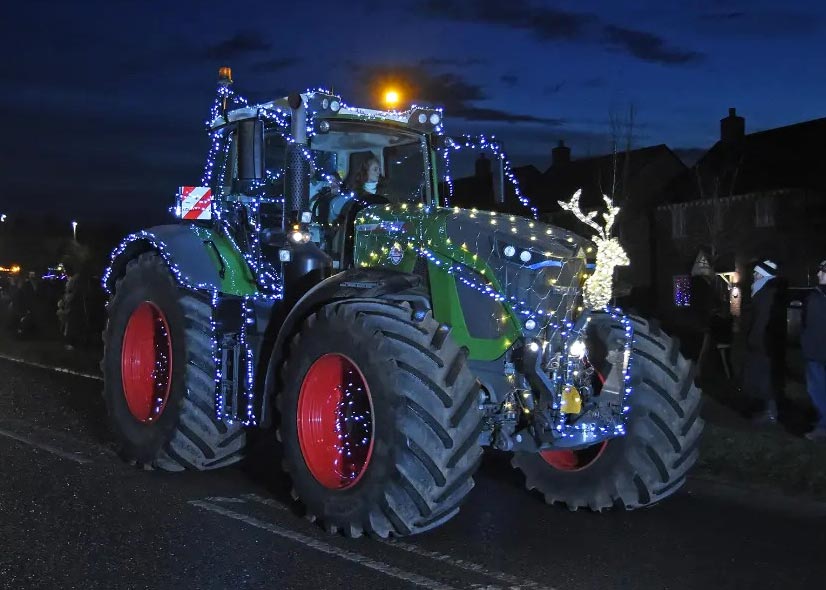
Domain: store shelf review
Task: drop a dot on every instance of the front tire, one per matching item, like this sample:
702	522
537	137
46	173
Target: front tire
158	372
379	419
661	444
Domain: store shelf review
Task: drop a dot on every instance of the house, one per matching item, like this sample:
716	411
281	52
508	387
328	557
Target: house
751	196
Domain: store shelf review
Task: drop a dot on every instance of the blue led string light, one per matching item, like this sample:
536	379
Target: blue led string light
485	143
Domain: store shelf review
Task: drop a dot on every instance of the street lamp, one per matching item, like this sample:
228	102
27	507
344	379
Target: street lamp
391	97
2	218
74	230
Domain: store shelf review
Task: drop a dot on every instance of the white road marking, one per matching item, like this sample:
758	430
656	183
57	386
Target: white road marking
48	448
51	368
265	501
468	566
225	500
351	556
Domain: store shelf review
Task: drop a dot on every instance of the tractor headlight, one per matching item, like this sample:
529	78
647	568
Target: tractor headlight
300	237
577	349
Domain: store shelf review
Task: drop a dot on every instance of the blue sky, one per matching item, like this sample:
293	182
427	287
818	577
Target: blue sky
105	103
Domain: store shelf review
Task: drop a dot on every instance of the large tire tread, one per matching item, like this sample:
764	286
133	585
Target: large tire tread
432	464
198	441
652	460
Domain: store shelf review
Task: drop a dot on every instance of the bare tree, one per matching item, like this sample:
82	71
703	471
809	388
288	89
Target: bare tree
622	142
714	191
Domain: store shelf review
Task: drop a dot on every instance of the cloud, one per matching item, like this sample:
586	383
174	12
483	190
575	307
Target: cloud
552	89
758	23
544	23
275	65
443	61
553	24
509	79
458	96
473	113
648	47
239	45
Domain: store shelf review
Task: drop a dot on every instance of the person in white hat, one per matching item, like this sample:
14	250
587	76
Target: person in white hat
764	369
813	346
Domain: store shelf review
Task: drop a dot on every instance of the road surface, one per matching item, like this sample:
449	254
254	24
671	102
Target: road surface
72	515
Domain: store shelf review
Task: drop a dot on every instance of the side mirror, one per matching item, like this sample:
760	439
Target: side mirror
251	149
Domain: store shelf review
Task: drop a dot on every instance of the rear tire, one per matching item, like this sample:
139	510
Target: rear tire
662	437
421	424
184	433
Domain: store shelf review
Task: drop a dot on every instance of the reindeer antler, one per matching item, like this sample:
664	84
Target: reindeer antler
609	216
586	218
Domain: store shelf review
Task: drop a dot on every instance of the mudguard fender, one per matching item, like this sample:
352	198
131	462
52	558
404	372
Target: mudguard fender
180	247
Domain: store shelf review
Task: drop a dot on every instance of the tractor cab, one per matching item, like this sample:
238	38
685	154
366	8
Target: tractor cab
298	170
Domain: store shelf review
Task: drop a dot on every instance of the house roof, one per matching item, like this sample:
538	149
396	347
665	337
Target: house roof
639	174
789	157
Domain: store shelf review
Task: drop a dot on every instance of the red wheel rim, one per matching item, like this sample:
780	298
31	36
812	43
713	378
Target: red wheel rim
579	459
574	460
335	422
146	362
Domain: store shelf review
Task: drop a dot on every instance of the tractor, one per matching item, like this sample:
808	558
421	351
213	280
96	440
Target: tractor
318	283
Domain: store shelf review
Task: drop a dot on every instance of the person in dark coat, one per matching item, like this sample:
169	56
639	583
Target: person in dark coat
813	345
72	310
764	369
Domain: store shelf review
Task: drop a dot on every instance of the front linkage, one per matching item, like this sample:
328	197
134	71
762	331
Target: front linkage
561	396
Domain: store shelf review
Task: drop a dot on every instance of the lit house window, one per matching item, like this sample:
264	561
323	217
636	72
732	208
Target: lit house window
682	291
678	222
764	212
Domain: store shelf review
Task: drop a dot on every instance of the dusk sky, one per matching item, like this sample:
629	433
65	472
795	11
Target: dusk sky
104	103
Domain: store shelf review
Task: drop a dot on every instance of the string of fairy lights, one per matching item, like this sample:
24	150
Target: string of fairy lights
517	251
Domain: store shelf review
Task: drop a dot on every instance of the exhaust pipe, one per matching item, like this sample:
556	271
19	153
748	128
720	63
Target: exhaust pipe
298	166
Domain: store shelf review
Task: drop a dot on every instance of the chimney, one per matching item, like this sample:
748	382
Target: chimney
733	127
483	168
560	155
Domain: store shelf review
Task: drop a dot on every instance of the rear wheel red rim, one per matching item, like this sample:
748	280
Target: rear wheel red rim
146	362
335	422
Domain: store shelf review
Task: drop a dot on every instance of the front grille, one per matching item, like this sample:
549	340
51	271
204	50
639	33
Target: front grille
547	293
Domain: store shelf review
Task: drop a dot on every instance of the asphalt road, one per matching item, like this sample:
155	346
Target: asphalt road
72	515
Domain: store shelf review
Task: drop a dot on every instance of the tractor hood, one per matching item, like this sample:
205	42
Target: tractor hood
537	268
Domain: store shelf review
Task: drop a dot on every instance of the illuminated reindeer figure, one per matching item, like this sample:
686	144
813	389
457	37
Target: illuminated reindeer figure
599	286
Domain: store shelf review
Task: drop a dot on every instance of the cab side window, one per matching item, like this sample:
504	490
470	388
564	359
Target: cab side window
275	154
226	162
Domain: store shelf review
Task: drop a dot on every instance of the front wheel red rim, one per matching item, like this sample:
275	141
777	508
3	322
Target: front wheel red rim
574	460
335	422
579	459
146	362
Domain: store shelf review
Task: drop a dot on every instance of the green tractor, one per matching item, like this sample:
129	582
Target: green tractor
318	283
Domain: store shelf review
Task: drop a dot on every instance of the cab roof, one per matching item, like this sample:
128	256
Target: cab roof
323	105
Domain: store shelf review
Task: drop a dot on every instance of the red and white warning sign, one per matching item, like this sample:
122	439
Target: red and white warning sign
195	202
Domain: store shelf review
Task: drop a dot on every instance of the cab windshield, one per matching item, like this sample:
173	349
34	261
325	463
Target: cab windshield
377	162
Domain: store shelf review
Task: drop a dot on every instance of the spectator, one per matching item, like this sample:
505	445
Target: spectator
711	313
813	345
25	306
764	369
72	309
